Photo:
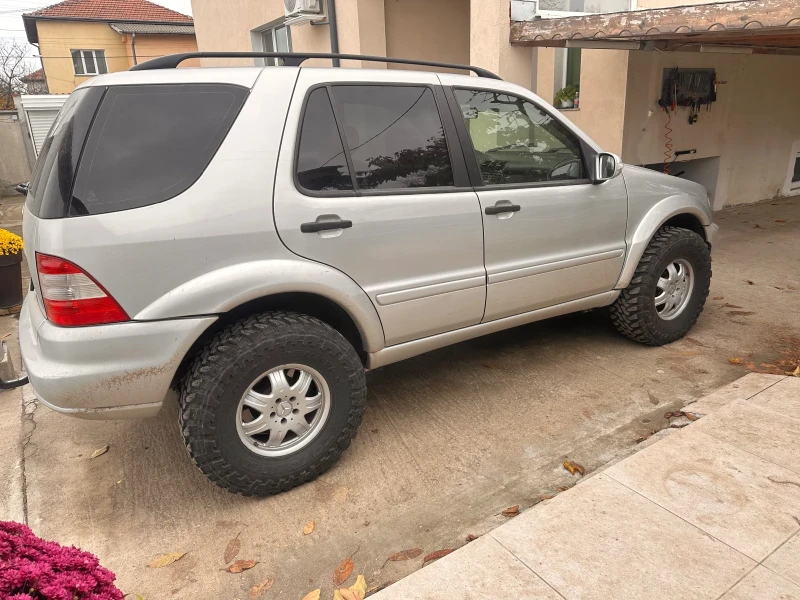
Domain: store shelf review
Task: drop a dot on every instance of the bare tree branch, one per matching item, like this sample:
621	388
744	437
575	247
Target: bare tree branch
14	66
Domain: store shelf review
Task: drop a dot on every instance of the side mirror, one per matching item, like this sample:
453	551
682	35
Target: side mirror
22	188
607	166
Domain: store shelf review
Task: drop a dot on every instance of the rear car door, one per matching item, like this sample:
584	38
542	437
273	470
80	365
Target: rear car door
551	236
372	182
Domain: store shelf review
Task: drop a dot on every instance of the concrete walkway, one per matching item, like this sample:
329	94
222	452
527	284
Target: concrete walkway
709	511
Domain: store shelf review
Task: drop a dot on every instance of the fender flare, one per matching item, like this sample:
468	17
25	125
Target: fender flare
224	289
659	214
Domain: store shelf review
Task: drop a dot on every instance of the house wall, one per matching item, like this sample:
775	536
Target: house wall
14	167
414	29
752	126
604	75
152	46
58	38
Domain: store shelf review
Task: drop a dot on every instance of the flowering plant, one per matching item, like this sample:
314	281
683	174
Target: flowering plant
34	569
9	243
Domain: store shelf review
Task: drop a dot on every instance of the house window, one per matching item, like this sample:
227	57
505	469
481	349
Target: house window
567	79
276	39
795	183
89	62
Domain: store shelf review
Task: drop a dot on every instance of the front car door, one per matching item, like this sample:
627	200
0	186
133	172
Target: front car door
551	236
372	181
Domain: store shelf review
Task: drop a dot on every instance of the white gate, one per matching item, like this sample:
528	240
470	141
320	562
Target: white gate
40	112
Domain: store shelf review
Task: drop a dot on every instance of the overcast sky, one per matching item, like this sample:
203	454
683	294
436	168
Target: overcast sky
11	16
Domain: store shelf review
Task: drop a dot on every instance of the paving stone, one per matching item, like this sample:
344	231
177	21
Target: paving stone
767	434
745	501
481	570
601	540
786	560
783	397
741	389
763	584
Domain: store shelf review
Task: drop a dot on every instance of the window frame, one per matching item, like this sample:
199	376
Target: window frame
461	179
257	39
587	152
94	61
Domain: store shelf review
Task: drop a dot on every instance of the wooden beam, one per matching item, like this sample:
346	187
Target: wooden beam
747	17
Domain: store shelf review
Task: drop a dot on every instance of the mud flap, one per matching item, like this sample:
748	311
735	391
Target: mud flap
8	375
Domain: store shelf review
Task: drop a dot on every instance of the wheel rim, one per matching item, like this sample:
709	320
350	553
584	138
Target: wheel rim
283	410
674	289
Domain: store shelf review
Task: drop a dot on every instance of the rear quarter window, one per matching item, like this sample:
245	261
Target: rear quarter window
150	143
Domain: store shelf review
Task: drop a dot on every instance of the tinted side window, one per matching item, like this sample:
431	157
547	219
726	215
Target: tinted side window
150	143
395	136
321	163
516	142
51	183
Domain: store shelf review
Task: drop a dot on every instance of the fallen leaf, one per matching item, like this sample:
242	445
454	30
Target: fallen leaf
241	565
405	554
511	511
436	555
562	488
780	221
232	549
260	589
309	528
543	498
640	439
726	305
166	559
691	340
741	313
312	595
690	416
735	360
100	451
343	571
718	298
750	282
357	591
796	372
757	227
471	537
653	399
573	468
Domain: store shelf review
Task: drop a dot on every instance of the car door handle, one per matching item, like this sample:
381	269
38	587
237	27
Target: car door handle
498	208
316	226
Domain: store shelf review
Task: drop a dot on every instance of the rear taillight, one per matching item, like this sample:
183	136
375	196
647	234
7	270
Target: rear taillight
71	297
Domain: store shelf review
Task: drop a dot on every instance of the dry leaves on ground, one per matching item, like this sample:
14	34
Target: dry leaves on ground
562	488
780	221
241	565
726	305
378	588
100	451
313	595
741	313
166	559
718	298
573	468
691	340
405	554
436	555
357	591
750	282
309	528
511	511
260	589
343	571
232	549
735	360
471	537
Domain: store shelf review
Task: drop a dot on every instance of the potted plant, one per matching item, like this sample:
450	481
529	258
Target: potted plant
565	97
10	269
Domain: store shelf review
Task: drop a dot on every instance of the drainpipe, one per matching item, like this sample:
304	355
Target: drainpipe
334	31
133	48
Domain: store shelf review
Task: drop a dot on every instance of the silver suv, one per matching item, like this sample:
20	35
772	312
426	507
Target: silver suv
257	237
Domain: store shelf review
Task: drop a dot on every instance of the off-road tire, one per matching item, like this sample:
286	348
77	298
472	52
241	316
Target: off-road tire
220	375
634	312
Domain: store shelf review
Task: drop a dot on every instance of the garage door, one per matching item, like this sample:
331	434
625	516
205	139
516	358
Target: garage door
40	122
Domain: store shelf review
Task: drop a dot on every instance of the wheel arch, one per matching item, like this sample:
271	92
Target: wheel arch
677	211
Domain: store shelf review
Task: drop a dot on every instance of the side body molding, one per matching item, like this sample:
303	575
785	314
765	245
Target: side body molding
224	289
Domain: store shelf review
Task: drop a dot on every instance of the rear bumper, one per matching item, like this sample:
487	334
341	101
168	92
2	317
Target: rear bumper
114	371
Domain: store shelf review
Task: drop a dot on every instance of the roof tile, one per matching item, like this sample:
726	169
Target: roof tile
111	10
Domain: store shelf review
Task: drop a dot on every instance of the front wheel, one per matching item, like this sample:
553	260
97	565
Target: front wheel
272	402
668	290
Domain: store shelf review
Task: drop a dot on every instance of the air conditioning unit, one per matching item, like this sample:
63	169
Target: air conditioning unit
299	12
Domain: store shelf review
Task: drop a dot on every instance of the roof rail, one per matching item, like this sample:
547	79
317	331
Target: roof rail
295	59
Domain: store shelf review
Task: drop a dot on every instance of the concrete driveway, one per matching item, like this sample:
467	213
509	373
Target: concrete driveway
449	440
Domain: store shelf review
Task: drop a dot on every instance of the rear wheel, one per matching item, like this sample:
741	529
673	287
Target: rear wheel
668	290
271	403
